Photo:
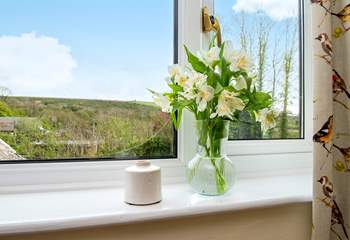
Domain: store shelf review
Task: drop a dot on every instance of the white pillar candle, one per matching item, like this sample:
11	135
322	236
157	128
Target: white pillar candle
142	183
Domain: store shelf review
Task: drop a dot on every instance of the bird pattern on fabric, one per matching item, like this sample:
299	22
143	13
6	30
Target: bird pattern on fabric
339	85
329	201
325	134
325	43
331	23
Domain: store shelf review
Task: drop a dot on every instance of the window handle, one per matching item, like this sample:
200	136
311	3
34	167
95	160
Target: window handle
211	23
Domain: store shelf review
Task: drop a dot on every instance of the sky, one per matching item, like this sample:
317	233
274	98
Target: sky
99	49
103	49
277	15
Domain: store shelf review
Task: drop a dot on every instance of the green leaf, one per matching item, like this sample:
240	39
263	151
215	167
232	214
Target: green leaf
231	89
221	54
212	78
176	88
339	166
197	64
226	73
212	41
218	89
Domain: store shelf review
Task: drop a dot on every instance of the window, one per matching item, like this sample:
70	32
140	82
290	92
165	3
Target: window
270	33
125	48
74	78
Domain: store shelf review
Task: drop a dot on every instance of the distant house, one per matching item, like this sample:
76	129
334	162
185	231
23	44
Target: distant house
8	153
8	124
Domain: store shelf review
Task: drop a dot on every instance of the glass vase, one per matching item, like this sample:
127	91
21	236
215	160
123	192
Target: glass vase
211	172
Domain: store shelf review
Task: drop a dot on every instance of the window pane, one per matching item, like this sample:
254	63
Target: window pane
269	32
74	79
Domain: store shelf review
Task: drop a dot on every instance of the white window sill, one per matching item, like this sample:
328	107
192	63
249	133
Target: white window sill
31	212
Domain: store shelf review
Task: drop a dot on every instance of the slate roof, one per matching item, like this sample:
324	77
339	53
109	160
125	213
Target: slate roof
8	153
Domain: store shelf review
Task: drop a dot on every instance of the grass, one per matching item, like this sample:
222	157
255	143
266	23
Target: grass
83	128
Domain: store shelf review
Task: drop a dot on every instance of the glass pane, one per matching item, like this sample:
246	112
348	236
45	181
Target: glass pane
74	79
269	31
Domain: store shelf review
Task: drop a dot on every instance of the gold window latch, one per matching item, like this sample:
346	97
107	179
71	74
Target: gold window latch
211	23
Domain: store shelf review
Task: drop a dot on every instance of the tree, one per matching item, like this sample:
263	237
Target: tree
4	93
288	56
5	110
263	30
275	69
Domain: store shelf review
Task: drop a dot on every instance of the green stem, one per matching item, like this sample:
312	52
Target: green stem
210	141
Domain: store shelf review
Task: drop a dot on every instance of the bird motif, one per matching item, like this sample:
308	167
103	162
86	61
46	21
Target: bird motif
339	84
344	14
326	44
328	191
344	151
321	2
337	218
327	188
325	134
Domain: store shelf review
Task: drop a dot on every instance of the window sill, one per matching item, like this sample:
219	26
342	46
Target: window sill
43	211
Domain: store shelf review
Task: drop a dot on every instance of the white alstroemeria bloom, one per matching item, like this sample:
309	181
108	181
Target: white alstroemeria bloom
241	62
204	95
162	101
241	83
189	95
175	69
210	56
229	52
228	103
267	119
181	79
198	79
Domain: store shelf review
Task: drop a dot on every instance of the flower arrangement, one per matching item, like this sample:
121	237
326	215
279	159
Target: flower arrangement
216	87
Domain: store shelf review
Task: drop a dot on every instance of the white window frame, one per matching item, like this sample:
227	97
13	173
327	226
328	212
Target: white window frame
252	158
290	154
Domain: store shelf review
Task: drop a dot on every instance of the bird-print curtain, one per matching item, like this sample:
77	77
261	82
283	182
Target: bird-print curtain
331	68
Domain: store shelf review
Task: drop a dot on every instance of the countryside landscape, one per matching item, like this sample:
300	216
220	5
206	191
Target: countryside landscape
57	128
52	128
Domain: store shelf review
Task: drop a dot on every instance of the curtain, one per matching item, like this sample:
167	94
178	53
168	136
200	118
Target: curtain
331	69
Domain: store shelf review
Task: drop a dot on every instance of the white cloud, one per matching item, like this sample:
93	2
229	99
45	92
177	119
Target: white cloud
276	9
34	63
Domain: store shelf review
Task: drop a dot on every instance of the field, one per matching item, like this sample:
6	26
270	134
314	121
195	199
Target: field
49	128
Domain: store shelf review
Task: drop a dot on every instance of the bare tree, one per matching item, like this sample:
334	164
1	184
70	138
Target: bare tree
263	31
243	33
288	57
4	93
275	68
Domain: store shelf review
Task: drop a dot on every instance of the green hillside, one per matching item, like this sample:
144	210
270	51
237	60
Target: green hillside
49	128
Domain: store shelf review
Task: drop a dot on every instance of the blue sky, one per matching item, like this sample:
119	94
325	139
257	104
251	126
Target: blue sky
101	49
117	48
277	14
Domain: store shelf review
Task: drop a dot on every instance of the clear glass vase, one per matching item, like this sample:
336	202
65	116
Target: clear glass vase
211	172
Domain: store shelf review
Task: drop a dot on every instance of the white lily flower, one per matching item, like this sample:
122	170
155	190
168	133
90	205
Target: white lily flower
267	119
210	56
241	83
204	95
241	62
228	103
162	101
175	69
